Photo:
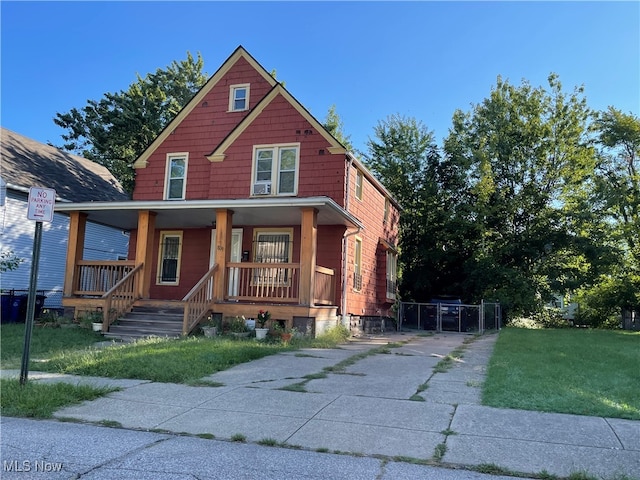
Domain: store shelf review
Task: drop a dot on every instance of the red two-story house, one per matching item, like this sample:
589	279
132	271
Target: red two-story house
245	202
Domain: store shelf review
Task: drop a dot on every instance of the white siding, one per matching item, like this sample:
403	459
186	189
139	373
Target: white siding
17	233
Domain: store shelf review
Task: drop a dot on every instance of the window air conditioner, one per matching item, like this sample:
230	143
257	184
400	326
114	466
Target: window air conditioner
261	188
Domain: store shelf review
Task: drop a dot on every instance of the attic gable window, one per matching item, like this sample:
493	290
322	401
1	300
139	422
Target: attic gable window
176	177
239	98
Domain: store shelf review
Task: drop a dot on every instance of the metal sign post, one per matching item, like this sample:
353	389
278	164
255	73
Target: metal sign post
40	208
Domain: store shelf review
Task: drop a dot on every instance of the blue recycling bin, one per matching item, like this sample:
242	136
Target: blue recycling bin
14	307
6	312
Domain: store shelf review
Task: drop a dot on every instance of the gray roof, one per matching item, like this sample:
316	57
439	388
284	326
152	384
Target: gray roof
25	163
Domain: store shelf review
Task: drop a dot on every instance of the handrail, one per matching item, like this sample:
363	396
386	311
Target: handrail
198	301
120	298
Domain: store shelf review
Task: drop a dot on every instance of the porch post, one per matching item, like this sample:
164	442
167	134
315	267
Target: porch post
308	249
75	248
224	227
144	250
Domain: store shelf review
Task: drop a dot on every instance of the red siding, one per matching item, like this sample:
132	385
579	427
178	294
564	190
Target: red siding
320	174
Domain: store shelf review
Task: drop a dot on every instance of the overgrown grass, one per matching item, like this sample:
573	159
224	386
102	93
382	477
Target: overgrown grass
162	359
45	342
40	400
184	360
579	371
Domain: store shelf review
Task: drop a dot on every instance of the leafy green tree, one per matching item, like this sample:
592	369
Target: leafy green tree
9	261
405	158
616	197
334	125
116	129
521	159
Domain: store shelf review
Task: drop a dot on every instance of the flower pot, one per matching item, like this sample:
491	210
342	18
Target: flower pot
261	333
286	337
96	326
240	334
210	331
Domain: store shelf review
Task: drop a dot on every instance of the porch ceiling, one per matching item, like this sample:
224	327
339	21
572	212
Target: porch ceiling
202	213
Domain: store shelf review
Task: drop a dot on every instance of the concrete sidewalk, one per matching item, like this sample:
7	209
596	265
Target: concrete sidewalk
373	407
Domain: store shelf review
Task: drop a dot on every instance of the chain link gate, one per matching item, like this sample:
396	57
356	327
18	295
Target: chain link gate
450	317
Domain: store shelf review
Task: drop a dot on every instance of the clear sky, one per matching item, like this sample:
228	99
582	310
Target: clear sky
370	59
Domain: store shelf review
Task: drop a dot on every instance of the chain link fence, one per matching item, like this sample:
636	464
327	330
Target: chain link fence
450	317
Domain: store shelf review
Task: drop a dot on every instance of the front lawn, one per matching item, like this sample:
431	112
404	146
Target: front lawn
580	371
45	342
183	360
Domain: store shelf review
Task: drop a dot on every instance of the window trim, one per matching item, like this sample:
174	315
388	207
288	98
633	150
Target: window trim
357	264
275	169
359	184
163	235
167	179
232	97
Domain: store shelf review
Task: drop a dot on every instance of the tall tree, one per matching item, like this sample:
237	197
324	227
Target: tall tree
334	125
405	158
116	129
525	156
616	197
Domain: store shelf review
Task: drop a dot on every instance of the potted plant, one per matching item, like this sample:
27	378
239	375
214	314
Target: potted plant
285	333
210	329
238	327
261	320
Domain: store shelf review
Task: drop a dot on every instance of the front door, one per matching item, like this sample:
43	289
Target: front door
236	256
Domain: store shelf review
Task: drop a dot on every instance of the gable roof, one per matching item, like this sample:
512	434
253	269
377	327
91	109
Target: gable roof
239	52
218	152
27	163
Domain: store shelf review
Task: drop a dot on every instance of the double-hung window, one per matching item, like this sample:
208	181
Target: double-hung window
169	258
176	179
392	267
357	265
275	169
359	184
239	98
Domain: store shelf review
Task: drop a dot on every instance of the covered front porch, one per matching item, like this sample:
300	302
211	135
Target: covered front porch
231	286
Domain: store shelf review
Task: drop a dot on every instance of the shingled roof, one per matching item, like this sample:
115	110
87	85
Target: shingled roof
26	163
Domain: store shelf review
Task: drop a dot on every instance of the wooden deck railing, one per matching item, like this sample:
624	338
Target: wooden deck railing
120	298
269	282
198	301
325	286
95	277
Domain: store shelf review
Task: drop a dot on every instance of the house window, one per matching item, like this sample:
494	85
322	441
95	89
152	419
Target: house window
176	180
359	182
272	246
357	265
275	170
239	98
392	271
169	258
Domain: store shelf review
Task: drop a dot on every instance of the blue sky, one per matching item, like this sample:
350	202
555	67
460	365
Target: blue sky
370	59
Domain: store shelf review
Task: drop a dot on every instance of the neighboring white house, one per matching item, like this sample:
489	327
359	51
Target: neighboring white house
25	163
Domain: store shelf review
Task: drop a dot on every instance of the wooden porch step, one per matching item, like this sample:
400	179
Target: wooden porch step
147	321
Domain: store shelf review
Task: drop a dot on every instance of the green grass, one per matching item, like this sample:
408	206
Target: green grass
45	342
161	359
38	400
579	371
184	360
